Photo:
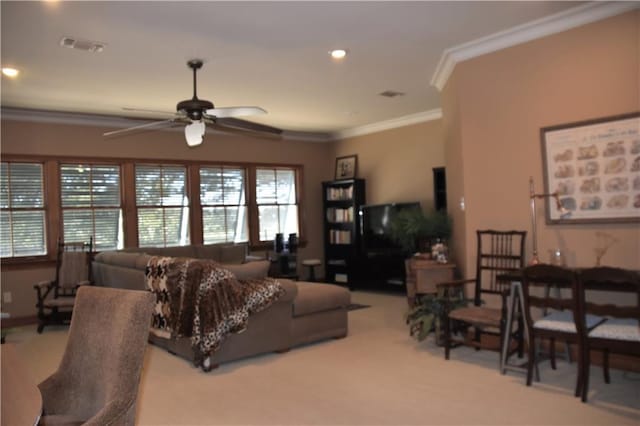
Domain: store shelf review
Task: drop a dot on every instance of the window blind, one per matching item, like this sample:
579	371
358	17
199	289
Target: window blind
224	209
90	197
162	205
22	213
277	203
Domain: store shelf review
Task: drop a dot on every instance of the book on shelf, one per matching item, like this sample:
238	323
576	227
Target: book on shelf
337	236
336	215
339	193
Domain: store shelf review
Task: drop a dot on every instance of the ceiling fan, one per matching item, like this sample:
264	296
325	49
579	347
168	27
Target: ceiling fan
196	113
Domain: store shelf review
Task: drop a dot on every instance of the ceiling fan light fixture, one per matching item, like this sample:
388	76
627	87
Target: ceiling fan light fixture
194	133
10	72
338	53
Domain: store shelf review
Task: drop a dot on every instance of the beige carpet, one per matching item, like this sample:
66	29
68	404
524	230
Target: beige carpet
376	376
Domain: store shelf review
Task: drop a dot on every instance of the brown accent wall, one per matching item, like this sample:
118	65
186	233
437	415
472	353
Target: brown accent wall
495	106
398	163
20	137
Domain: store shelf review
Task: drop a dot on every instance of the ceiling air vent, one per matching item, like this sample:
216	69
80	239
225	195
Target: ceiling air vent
80	44
390	94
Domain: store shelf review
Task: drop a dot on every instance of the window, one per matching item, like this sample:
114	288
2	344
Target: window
162	206
277	202
224	207
90	196
22	221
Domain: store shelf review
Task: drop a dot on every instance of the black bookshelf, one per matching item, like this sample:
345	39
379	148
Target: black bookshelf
341	202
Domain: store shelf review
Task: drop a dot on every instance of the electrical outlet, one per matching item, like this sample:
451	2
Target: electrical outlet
7	297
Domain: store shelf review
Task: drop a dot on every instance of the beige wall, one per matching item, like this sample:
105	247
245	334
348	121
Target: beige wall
497	104
87	141
397	164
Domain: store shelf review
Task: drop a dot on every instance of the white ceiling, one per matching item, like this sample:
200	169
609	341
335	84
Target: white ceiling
270	54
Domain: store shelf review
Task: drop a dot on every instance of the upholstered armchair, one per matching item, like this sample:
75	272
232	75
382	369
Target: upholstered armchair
97	380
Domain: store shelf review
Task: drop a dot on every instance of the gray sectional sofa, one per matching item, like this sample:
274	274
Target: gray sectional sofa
306	313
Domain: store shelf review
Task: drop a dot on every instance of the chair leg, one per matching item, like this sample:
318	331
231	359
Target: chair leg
580	371
531	361
447	337
586	357
605	366
552	352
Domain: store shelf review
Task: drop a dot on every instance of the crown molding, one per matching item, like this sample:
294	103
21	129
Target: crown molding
420	117
565	20
85	119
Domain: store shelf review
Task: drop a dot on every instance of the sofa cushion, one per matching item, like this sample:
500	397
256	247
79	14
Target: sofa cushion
317	297
118	258
233	253
175	251
247	271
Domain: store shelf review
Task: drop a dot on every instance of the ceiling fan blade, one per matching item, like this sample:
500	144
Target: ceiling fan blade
145	126
235	111
239	124
153	111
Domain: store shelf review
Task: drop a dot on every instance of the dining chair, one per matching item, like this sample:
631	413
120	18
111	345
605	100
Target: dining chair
620	333
56	297
97	380
550	314
498	252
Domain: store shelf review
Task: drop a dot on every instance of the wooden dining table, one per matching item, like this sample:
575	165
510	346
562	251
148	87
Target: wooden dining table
21	398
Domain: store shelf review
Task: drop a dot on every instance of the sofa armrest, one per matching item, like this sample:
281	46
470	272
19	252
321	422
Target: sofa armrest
291	289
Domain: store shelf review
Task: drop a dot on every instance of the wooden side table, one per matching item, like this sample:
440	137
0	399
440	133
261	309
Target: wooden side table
423	275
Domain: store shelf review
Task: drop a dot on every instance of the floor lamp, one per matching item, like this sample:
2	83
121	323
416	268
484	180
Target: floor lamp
564	213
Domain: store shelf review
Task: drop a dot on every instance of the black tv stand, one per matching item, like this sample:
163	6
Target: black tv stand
381	270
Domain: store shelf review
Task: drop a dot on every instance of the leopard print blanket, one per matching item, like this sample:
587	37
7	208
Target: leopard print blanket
199	299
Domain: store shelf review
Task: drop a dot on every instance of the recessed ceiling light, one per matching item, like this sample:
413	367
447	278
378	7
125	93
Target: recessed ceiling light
338	53
10	72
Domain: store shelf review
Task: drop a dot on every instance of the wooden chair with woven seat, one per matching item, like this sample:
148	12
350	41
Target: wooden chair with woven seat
620	333
56	297
550	314
498	252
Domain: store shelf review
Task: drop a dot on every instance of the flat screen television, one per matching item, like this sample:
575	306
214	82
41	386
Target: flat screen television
375	227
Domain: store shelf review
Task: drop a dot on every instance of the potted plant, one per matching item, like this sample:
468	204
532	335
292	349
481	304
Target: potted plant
428	313
413	229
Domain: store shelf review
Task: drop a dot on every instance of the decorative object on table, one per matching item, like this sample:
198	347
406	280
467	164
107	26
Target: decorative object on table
556	257
346	167
440	251
603	242
292	244
415	230
563	212
593	167
278	243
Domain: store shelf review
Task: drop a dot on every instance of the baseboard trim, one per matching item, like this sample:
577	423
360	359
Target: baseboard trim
18	321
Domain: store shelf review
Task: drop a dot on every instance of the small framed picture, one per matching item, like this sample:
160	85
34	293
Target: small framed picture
346	167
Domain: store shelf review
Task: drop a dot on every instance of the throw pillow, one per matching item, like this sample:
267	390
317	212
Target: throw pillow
251	270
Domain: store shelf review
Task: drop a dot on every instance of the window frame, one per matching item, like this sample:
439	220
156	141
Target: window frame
186	193
296	174
224	205
93	208
44	209
53	203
